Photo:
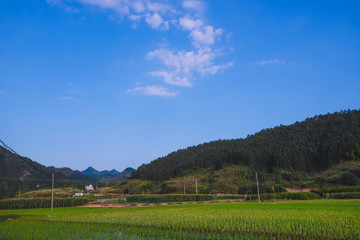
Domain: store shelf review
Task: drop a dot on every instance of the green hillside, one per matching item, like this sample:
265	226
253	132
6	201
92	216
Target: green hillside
309	146
20	174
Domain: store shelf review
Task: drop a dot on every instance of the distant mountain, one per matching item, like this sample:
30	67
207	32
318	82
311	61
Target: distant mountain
90	171
75	174
127	172
112	175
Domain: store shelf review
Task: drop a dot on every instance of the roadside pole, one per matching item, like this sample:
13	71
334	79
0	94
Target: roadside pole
196	185
257	184
52	193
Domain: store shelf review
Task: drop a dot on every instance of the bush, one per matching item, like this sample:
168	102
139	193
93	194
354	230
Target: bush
279	188
322	192
126	190
229	197
168	198
285	195
346	195
202	189
263	188
355	171
41	203
167	188
286	175
347	178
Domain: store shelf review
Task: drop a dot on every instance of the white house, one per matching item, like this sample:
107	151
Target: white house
89	187
79	194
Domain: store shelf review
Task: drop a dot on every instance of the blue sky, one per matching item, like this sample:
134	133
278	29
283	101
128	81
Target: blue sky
118	83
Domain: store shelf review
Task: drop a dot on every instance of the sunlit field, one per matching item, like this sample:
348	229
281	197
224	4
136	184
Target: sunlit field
320	219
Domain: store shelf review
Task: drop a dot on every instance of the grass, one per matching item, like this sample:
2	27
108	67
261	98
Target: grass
317	219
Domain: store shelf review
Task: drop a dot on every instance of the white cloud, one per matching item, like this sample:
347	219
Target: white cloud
172	79
155	21
153	91
180	67
159	7
183	65
138	6
189	24
194	5
71	99
135	18
205	36
272	61
120	6
216	68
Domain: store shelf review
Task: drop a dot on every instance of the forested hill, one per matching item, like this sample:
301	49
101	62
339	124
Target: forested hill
21	174
312	145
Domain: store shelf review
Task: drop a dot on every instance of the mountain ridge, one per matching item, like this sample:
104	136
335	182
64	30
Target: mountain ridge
112	175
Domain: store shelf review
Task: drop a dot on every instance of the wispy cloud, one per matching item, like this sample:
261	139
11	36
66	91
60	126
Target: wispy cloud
205	36
189	24
152	12
184	65
272	62
68	8
155	21
153	91
70	99
194	5
179	68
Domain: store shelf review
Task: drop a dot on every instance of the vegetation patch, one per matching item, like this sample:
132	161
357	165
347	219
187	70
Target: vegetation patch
167	198
319	219
41	203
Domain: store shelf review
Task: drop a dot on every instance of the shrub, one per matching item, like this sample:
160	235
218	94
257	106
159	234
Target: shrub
167	188
355	171
168	198
346	195
347	178
279	188
229	197
322	192
285	195
286	175
263	188
126	190
41	203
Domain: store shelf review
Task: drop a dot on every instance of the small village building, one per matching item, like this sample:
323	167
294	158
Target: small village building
89	187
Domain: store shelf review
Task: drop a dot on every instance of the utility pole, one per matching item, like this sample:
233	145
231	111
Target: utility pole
196	185
257	183
52	193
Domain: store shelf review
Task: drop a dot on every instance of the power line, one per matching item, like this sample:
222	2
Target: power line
42	180
8	148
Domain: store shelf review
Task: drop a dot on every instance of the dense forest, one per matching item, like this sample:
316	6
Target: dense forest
309	146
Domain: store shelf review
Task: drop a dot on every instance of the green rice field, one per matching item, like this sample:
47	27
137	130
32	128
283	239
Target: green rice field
317	219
